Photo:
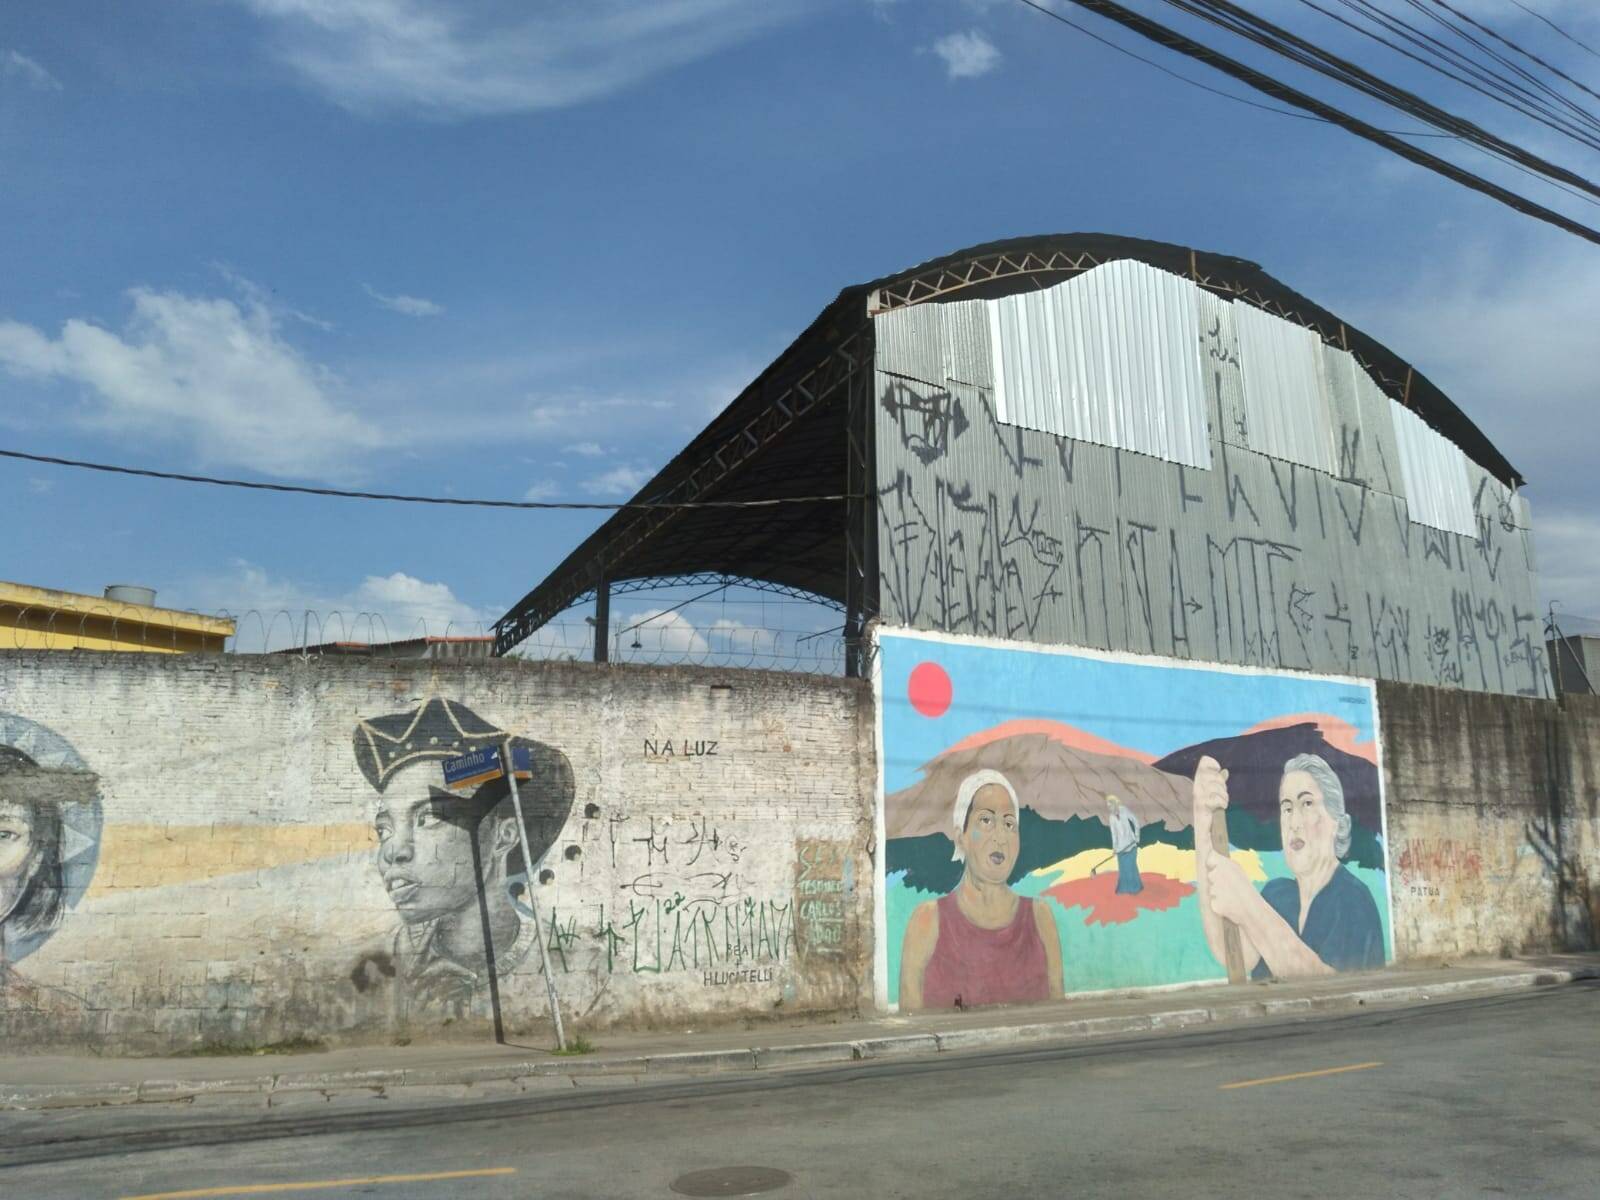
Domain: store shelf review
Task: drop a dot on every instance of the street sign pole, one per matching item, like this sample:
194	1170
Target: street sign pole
527	875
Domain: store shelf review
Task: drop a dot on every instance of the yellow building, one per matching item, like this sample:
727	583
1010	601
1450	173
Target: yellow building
125	618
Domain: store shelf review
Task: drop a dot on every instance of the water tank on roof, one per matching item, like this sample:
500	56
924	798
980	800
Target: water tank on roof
127	593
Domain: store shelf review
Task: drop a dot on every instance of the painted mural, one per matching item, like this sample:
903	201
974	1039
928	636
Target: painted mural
49	843
1058	822
452	864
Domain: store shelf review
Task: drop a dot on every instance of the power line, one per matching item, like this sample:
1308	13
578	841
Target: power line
1181	78
1557	28
1280	41
1505	41
342	494
1483	79
1173	40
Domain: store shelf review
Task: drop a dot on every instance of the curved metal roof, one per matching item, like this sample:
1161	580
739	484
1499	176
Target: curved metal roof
785	436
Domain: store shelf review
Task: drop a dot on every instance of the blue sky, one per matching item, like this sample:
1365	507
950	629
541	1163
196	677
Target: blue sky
528	249
1155	709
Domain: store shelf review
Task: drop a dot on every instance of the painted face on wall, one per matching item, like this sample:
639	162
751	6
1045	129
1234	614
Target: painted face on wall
18	857
425	851
1309	830
991	840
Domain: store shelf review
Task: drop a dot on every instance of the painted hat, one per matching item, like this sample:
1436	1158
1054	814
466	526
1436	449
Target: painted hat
438	729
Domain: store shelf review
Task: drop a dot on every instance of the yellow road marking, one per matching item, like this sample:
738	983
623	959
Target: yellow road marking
314	1185
1301	1075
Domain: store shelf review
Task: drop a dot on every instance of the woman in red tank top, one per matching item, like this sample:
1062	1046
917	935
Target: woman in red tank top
982	943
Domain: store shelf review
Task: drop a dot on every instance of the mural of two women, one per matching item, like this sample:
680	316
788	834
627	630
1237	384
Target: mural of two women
1083	840
984	944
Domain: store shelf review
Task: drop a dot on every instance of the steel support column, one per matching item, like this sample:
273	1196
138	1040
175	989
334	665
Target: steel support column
860	526
602	621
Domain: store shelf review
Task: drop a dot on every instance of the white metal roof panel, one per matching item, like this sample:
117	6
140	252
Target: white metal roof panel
1111	356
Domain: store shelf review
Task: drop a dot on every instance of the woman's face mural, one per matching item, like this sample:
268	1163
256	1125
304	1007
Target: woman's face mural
990	842
19	852
1309	830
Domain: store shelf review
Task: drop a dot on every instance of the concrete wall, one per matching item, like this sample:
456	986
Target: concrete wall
209	829
995	530
1494	821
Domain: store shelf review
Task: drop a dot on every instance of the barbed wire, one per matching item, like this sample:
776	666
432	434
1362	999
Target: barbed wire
1564	624
763	639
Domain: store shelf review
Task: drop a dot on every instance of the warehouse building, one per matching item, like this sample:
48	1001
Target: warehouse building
1101	442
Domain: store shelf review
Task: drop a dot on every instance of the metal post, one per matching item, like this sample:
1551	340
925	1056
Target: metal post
527	871
602	621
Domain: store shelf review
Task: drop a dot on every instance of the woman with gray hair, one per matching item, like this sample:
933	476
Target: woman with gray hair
1320	921
982	943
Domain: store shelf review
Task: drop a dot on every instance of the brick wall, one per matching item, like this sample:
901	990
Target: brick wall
220	877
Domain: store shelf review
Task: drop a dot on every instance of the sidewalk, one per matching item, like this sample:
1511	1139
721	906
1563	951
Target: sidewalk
421	1073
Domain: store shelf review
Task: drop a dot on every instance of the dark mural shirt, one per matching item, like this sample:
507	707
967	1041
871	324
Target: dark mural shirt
1342	928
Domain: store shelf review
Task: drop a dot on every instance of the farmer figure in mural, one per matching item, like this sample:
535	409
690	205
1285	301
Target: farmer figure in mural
982	943
449	861
1320	921
1125	845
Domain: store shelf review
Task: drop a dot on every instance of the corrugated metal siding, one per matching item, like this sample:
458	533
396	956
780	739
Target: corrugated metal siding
994	529
1284	391
1111	356
909	342
1435	475
1380	452
966	343
1219	359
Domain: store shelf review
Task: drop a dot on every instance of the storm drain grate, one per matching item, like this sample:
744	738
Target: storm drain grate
730	1181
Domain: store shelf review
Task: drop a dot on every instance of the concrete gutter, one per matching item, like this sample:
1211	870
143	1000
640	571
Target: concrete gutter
553	1074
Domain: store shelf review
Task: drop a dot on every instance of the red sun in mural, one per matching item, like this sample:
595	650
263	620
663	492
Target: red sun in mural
929	689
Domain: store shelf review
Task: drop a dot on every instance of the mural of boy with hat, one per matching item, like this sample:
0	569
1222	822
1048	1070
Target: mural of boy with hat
449	861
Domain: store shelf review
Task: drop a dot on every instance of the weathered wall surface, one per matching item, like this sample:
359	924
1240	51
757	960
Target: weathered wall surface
987	528
246	850
1494	821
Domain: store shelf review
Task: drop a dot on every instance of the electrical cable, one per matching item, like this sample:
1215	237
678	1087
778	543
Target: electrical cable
404	499
1181	78
1280	41
1541	17
1505	41
1488	83
1171	39
1507	91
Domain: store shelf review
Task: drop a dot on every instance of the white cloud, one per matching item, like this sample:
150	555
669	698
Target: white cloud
1509	337
621	480
1567	549
659	632
454	58
41	487
257	296
967	55
411	306
587	449
20	68
274	612
209	371
543	490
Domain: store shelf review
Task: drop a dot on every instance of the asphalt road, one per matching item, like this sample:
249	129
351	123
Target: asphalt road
1494	1097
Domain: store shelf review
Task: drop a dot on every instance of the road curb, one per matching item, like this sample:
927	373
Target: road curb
546	1073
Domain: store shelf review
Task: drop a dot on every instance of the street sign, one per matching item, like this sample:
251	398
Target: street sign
480	766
